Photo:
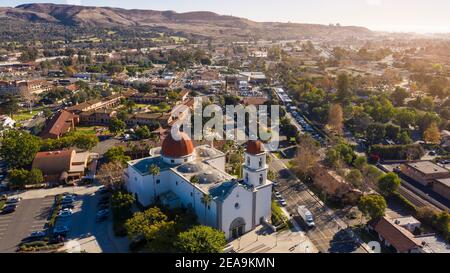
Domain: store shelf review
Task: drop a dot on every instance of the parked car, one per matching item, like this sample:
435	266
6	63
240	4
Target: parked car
9	208
282	202
278	195
103	190
103	213
37	234
67	206
60	230
13	200
65	213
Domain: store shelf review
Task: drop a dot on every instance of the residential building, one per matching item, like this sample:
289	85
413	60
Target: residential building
442	187
92	105
424	172
59	124
189	175
101	117
62	166
25	87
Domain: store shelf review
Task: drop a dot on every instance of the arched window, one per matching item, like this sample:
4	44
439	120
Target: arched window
260	162
246	177
261	179
248	160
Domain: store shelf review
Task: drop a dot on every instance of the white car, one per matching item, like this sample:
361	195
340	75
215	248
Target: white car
283	202
278	195
65	213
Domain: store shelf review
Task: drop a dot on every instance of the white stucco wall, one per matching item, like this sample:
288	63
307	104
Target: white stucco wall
229	212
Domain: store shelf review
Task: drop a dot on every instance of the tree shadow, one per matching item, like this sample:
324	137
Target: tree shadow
343	242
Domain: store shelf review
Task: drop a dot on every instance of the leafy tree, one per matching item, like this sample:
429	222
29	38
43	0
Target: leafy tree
432	134
398	96
372	174
116	126
143	132
307	156
355	178
373	206
336	119
117	153
389	184
201	239
18	178
86	142
154	170
155	227
404	138
360	162
343	88
10	105
376	133
19	148
35	177
111	174
122	201
406	117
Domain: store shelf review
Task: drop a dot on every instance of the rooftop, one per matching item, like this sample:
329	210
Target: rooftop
427	167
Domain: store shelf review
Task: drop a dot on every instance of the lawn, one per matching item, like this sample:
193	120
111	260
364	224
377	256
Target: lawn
25	115
86	130
158	108
2	203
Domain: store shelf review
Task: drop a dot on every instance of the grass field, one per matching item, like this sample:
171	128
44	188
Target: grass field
25	115
157	108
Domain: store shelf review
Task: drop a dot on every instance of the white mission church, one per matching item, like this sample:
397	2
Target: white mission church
217	198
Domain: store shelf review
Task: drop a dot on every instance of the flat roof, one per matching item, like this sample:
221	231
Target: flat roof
427	167
445	182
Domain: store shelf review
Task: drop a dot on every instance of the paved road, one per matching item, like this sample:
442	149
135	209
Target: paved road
31	215
331	234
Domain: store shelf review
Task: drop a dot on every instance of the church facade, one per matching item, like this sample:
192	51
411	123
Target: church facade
195	178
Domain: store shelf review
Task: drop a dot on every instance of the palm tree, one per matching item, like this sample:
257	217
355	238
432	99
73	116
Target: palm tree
154	171
240	152
194	180
206	200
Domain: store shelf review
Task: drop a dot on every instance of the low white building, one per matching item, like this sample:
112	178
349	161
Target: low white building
195	178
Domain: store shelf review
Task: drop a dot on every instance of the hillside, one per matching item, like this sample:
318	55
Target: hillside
199	23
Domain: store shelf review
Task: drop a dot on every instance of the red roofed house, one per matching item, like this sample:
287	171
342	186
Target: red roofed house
395	236
60	124
61	166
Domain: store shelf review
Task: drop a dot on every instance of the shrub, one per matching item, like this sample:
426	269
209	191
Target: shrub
397	152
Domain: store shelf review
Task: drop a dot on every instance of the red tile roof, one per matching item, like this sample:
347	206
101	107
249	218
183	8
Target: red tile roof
174	149
400	238
255	147
59	124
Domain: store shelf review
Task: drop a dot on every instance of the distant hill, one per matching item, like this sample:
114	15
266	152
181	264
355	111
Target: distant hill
199	23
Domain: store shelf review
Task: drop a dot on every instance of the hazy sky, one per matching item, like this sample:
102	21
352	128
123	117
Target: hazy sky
390	15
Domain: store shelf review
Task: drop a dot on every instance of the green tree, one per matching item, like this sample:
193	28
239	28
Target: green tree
373	206
18	178
343	88
355	178
389	184
117	153
154	171
360	162
117	126
143	132
122	201
86	142
399	96
155	227
35	177
201	239
18	148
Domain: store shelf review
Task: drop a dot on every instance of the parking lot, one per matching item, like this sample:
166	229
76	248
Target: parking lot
30	215
83	228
